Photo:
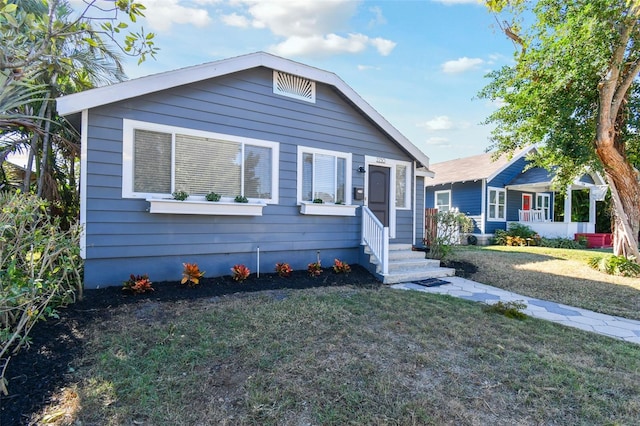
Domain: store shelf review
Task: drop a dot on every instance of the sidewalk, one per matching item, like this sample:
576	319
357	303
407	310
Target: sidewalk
608	325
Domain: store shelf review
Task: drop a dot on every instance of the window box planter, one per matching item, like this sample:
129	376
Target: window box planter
327	209
217	208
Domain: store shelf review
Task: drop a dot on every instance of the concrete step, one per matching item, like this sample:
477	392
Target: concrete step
416	275
411	264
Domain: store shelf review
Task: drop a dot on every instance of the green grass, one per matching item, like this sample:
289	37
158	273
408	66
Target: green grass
559	275
339	356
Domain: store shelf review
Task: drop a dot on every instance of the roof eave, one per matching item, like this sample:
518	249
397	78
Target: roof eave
88	99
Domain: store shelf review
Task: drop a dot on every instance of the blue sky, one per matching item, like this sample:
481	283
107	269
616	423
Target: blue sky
419	63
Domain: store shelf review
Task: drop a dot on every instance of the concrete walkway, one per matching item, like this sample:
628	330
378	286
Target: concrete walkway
608	325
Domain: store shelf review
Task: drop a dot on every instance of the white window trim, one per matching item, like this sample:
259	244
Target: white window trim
548	197
128	127
347	190
408	188
435	198
391	164
489	218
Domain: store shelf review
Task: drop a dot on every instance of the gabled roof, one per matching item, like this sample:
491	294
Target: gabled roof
78	102
474	168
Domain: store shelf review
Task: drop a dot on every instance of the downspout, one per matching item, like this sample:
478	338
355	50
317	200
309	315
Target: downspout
483	208
415	206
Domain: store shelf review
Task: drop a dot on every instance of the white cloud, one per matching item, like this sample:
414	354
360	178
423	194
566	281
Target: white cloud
367	68
321	45
383	46
461	65
162	14
441	122
309	27
378	17
436	141
235	20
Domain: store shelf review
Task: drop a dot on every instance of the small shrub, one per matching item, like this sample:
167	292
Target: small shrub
283	269
138	284
508	309
212	196
450	225
314	269
517	235
241	199
564	243
340	267
180	195
616	265
191	274
240	273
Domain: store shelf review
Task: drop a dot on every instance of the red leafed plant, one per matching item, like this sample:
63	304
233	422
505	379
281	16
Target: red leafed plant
138	284
314	269
340	267
283	269
240	273
191	274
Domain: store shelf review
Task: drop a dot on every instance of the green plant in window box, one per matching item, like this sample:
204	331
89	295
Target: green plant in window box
340	202
241	199
318	201
180	195
212	196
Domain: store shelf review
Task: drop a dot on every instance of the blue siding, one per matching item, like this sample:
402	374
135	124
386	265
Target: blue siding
465	196
123	238
508	174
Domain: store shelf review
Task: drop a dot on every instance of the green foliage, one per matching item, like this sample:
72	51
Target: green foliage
318	201
449	227
615	265
40	269
241	199
180	195
564	243
508	309
212	196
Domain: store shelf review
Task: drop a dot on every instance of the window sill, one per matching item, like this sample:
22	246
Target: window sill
213	208
328	209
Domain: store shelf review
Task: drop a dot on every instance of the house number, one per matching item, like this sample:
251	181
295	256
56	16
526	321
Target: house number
380	160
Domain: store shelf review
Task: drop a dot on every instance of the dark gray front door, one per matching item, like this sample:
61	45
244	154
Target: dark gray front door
378	197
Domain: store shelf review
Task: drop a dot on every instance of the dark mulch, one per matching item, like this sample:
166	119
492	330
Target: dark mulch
47	365
463	269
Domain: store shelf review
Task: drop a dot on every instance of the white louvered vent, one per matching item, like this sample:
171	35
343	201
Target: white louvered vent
294	86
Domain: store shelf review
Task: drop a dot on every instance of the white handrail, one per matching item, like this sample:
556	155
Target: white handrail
376	237
531	215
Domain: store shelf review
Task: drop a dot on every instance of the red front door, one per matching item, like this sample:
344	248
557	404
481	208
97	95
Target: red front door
526	202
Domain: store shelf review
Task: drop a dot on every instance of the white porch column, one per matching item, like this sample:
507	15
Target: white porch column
567	206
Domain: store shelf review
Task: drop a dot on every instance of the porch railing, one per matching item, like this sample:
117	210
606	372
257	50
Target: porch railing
376	237
531	215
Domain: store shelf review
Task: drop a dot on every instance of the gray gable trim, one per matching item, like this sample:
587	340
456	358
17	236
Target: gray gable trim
88	99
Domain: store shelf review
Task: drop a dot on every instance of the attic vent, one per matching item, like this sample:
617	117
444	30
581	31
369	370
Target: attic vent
294	86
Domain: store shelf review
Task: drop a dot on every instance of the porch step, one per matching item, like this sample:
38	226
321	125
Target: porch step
407	265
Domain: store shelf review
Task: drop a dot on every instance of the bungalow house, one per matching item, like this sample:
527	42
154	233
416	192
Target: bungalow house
317	170
495	192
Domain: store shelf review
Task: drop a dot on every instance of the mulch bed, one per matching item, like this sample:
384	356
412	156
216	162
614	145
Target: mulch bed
47	364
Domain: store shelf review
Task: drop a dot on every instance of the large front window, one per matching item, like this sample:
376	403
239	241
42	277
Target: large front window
497	204
159	160
323	176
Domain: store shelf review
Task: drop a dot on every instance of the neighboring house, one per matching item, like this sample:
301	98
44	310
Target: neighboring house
497	191
280	133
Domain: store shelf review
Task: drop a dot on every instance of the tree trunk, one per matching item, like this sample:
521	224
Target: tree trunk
625	194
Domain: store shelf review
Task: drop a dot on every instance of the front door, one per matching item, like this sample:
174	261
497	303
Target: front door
526	201
378	192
